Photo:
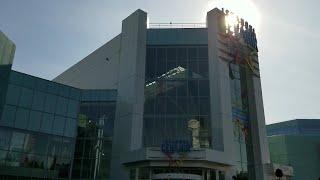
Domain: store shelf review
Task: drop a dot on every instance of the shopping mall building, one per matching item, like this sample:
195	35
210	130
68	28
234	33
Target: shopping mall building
158	102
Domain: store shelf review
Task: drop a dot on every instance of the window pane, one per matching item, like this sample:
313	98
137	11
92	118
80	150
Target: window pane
204	88
58	125
17	142
61	106
26	98
151	63
63	90
67	148
41	85
5	137
13	94
74	93
204	104
53	88
16	78
193	88
72	108
29	81
70	129
8	116
161	67
38	100
203	69
3	156
54	147
35	121
171	54
36	144
182	54
192	52
50	103
203	53
193	68
22	118
46	124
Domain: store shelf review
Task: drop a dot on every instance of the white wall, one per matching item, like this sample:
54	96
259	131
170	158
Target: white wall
95	71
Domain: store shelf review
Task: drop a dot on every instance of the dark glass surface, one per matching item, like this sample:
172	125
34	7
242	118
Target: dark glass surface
94	140
176	91
35	154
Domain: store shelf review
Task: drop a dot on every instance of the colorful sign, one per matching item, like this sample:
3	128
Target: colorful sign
176	146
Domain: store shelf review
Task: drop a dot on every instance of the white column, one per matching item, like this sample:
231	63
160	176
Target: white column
128	123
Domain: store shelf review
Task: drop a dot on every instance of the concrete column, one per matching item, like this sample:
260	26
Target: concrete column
220	95
129	114
260	152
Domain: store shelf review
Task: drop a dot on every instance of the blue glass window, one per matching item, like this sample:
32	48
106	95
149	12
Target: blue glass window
58	125
22	118
61	106
46	124
13	94
38	100
35	120
26	98
50	103
70	129
8	116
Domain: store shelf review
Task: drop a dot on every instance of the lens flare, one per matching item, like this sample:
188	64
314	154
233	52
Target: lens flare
231	20
245	9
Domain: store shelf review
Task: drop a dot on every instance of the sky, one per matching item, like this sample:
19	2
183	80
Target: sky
53	35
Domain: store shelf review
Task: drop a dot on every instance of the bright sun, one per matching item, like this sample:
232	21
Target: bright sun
245	9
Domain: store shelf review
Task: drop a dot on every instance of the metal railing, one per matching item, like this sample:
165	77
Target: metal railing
176	25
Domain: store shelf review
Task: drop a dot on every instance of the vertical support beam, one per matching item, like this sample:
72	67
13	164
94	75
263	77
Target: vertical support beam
137	174
260	149
208	174
220	96
129	113
217	174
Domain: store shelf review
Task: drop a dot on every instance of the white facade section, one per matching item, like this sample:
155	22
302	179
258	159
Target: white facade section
99	70
128	124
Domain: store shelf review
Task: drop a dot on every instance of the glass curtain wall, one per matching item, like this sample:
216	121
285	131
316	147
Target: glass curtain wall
37	128
94	140
36	155
177	98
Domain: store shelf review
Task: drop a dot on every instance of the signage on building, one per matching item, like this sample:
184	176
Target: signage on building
176	146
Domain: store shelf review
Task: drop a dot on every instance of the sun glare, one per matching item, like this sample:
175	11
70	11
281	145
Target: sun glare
245	9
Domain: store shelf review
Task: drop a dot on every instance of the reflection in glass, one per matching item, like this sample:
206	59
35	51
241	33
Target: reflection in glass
176	91
94	140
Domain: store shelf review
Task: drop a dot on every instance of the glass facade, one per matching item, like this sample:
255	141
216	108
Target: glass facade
43	135
39	105
38	127
177	103
35	154
94	140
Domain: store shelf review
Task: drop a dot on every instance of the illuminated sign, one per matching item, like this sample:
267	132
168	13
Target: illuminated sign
176	146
